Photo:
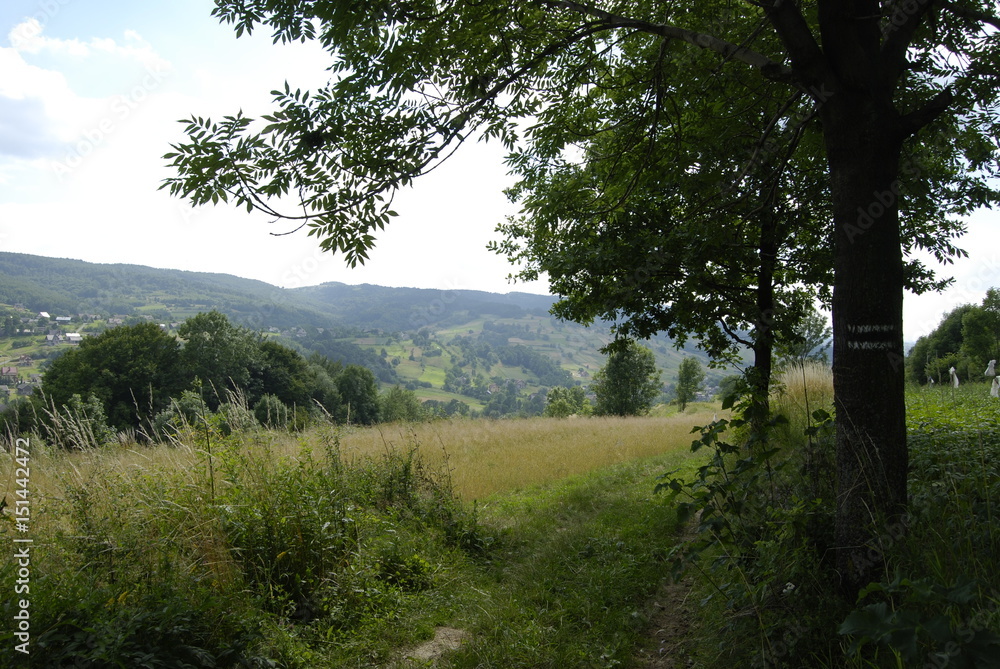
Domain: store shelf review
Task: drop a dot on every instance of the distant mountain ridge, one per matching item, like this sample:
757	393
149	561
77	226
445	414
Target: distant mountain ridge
410	309
445	344
75	286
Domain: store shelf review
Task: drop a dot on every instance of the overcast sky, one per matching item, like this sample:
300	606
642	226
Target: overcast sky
90	92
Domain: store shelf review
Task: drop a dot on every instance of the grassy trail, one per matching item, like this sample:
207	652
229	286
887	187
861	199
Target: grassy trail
345	549
574	580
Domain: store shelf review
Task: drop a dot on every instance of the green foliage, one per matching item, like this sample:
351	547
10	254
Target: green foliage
562	402
307	557
218	353
400	404
186	412
132	370
967	338
629	381
359	395
105	627
764	541
809	342
235	416
289	541
764	511
690	378
731	388
924	621
271	412
78	425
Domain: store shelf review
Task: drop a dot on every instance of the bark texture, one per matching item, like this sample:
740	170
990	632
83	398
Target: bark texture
863	146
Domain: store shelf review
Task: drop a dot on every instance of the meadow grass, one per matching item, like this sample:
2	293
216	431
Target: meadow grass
490	456
340	547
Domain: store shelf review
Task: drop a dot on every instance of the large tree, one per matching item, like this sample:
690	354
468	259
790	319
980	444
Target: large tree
690	377
132	370
628	383
221	355
412	80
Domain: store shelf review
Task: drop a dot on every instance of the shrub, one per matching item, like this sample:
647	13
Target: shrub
272	412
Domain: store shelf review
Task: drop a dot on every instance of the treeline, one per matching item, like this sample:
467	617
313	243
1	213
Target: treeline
408	309
967	338
140	378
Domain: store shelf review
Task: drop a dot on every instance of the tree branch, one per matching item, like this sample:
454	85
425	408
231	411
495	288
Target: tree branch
807	57
898	36
967	13
767	67
917	119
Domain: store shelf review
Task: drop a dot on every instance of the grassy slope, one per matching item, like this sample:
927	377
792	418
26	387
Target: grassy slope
569	544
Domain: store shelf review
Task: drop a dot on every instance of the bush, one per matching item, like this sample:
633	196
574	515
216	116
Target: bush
77	425
272	412
190	411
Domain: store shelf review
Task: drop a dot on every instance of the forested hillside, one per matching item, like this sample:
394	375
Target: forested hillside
458	350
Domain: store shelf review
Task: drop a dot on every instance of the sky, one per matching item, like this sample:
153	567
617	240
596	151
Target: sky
90	95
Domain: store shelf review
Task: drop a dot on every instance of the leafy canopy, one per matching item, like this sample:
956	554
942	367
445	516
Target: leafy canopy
690	377
628	383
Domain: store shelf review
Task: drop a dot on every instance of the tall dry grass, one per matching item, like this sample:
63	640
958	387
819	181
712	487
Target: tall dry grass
483	457
799	390
807	386
491	456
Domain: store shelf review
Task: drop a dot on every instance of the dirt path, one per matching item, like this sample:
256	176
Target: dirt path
669	629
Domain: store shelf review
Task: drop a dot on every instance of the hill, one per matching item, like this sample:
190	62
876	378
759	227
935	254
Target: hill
446	345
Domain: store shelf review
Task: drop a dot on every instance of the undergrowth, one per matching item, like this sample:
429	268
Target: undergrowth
231	548
765	509
231	558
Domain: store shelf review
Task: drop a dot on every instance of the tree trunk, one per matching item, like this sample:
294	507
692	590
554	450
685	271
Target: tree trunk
759	377
863	143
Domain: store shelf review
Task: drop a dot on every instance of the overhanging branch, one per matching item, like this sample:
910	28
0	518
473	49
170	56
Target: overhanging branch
965	12
609	21
917	119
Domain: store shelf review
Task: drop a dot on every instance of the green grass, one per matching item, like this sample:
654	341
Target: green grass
256	550
771	589
571	584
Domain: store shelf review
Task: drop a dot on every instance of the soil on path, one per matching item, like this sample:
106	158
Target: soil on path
666	644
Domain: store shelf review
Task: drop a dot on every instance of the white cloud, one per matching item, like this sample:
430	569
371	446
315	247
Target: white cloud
47	117
28	37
